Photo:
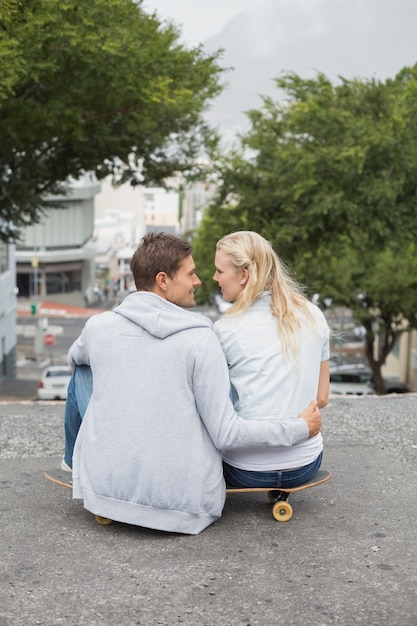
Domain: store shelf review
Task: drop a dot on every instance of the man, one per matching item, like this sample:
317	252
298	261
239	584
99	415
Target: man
148	448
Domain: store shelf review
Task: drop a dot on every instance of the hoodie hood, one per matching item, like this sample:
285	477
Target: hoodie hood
157	316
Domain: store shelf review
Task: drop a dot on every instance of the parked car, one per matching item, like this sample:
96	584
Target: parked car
53	384
358	380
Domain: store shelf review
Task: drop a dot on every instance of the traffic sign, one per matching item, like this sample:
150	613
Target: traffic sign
48	339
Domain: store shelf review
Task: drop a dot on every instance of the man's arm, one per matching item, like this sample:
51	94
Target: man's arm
226	428
312	417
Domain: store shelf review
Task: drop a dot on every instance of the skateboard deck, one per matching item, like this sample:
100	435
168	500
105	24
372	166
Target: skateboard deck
281	509
64	479
59	477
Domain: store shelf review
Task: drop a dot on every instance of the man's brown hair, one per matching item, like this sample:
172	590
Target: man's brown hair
157	252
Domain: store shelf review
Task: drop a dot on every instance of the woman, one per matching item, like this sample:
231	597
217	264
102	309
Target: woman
276	344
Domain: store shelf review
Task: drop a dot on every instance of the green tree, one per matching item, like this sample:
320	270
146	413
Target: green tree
95	86
329	175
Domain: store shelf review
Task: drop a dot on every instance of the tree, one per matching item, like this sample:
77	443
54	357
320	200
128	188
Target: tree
329	176
95	86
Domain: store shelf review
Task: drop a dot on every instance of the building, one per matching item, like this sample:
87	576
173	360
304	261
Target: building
161	210
401	363
57	256
193	201
84	245
8	339
119	224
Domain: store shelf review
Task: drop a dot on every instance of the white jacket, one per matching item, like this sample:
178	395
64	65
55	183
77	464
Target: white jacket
147	452
265	385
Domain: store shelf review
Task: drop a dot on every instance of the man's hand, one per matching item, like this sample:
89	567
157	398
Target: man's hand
313	418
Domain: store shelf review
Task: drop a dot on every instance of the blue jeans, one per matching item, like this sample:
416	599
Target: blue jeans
246	478
80	389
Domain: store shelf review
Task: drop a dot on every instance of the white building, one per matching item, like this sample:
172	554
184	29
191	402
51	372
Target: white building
57	256
119	225
122	216
7	311
194	200
161	210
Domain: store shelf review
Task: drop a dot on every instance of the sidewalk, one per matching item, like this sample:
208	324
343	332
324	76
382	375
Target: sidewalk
49	308
346	557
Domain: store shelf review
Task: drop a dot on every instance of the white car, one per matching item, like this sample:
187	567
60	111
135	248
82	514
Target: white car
350	382
53	384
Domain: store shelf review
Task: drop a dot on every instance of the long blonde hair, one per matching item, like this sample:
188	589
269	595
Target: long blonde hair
266	272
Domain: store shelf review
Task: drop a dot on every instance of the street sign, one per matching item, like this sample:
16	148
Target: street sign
48	339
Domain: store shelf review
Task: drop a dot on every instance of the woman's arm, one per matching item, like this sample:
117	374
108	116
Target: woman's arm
323	386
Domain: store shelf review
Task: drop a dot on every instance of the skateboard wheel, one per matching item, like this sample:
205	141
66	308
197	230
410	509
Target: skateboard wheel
282	511
104	521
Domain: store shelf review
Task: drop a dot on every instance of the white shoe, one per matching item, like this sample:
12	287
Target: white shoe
65	467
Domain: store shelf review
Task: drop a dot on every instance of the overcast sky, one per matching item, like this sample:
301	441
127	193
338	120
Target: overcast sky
263	38
199	20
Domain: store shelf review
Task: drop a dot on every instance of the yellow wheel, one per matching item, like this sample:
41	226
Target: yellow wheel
282	511
104	521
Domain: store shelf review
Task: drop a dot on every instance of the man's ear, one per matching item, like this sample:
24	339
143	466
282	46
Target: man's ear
161	281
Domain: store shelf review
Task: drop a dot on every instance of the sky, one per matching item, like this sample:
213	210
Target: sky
198	20
264	38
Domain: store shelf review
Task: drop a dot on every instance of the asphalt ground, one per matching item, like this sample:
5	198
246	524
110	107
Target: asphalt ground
346	557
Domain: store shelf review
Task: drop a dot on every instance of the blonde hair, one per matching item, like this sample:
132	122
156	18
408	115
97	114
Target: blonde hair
266	272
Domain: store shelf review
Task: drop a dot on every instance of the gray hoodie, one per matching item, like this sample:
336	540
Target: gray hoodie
148	450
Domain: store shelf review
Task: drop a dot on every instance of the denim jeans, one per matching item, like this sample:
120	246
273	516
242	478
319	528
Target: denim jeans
80	389
246	478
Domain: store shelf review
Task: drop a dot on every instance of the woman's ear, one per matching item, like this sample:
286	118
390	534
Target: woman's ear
244	277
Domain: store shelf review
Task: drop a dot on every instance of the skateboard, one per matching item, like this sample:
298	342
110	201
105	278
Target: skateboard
281	509
59	477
